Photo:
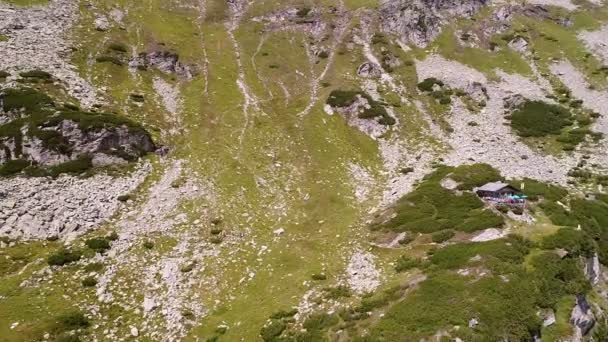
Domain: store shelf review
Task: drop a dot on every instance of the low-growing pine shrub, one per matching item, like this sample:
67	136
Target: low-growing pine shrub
442	235
39	74
405	263
89	282
99	245
64	257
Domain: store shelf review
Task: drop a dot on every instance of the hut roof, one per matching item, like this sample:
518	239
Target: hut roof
495	186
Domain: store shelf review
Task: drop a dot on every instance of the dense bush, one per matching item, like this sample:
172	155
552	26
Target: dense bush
27	98
337	292
303	12
109	59
72	321
432	208
536	190
284	314
428	84
89	282
576	242
405	263
344	98
511	250
272	330
471	176
94	267
99	245
64	257
319	276
38	74
118	47
442	235
14	166
538	119
4	74
75	167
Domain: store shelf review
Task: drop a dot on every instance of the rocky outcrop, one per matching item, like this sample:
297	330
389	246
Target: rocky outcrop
593	269
35	130
106	145
420	21
165	61
582	318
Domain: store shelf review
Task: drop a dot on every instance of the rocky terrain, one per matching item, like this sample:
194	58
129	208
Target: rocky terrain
230	170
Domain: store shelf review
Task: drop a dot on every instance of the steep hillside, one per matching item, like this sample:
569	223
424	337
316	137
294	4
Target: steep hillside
230	170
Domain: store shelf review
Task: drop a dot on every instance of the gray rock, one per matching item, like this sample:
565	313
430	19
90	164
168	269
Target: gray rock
582	317
102	23
593	269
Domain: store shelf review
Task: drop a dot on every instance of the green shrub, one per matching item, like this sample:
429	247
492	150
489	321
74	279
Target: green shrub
72	321
406	239
12	167
558	214
284	314
148	244
341	98
188	267
38	74
406	170
64	257
27	98
113	236
76	166
472	176
379	38
93	267
511	249
118	47
536	190
4	74
427	84
405	263
89	282
123	198
303	12
442	235
99	245
319	276
576	242
539	119
109	59
337	292
272	330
